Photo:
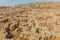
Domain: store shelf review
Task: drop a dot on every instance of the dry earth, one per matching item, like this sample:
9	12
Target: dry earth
33	21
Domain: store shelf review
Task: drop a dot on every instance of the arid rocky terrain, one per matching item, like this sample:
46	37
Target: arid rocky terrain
32	21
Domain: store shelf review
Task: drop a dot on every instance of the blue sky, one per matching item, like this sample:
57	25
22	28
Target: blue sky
16	2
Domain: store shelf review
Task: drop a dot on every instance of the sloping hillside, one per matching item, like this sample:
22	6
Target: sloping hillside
41	5
32	21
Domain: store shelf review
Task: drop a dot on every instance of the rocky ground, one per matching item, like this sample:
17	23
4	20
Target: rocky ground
32	21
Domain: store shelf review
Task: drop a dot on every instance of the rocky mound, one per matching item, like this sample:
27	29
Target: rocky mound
33	21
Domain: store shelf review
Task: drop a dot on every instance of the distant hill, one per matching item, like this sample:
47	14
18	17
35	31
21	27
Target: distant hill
41	5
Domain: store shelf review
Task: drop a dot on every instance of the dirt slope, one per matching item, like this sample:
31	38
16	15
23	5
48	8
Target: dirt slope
32	21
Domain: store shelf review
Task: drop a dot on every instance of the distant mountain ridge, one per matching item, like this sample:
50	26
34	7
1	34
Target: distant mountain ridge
41	5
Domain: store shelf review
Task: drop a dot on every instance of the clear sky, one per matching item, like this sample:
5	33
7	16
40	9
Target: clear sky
16	2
